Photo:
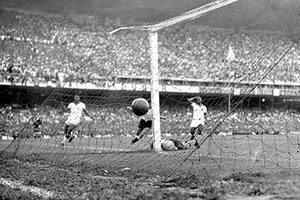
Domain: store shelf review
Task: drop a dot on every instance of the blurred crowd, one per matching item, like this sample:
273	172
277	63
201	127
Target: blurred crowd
115	121
59	49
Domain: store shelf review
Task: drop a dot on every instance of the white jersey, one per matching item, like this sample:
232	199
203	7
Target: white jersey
147	116
199	112
76	111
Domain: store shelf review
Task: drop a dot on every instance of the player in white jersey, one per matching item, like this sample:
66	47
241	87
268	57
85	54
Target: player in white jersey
199	116
76	108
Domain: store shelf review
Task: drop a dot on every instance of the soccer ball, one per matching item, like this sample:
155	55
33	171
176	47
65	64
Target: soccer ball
140	106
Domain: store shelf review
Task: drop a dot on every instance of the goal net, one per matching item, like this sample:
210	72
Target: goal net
244	78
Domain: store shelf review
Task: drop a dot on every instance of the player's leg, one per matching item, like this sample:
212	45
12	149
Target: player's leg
137	135
193	137
192	132
144	132
143	128
195	143
66	135
185	145
188	144
141	134
196	130
200	129
67	132
70	131
178	144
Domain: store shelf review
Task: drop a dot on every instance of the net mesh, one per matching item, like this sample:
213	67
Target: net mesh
246	129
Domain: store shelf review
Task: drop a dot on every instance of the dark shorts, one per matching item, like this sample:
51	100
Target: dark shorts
200	129
69	128
145	124
178	144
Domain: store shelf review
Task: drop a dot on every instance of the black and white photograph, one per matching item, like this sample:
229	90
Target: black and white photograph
150	99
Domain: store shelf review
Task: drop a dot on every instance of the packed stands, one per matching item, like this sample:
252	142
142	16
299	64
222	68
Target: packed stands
55	49
42	48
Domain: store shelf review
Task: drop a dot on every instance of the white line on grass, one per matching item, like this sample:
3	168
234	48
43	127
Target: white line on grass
34	190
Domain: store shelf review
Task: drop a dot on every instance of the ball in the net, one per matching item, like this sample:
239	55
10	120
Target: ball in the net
140	106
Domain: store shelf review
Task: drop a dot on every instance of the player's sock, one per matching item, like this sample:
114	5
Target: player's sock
135	140
197	145
193	137
71	138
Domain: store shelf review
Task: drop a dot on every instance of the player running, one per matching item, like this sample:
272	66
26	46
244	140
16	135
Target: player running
199	117
76	109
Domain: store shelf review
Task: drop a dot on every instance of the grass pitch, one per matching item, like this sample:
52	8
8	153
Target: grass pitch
218	155
225	167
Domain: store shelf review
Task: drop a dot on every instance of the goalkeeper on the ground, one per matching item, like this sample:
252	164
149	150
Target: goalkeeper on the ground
175	144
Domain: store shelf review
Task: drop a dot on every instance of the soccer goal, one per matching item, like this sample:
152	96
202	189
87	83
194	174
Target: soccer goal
244	78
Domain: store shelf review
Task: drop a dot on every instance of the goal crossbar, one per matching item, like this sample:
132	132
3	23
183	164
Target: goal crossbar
153	40
186	16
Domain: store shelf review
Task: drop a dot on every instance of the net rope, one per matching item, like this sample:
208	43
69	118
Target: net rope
243	139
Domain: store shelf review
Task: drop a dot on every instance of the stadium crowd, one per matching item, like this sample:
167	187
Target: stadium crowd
59	50
115	121
55	49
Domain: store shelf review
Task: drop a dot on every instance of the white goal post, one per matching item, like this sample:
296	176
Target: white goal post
153	39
